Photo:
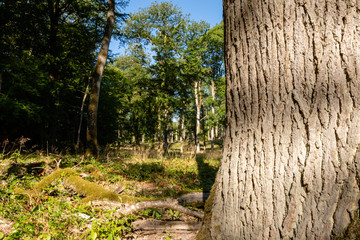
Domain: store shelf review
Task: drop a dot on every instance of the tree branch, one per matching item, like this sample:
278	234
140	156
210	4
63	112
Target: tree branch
129	209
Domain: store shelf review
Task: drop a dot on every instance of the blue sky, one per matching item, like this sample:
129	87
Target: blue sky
207	10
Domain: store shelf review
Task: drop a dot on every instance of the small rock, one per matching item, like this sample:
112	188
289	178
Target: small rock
5	226
84	216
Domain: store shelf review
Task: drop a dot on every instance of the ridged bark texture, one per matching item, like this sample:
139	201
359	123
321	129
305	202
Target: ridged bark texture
290	167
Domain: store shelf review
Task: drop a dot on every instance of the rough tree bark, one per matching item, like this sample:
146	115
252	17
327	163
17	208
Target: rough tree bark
290	166
91	136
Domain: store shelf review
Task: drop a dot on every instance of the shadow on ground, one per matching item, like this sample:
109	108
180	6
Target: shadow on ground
207	171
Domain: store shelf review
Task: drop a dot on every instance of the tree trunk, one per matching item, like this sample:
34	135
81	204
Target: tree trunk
159	139
166	133
182	134
92	143
212	130
204	133
82	114
291	165
198	108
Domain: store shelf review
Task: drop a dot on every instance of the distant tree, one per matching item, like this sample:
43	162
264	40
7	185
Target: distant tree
161	27
214	60
193	68
113	105
141	100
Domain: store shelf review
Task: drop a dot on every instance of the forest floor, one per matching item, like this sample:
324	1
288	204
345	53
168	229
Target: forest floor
57	210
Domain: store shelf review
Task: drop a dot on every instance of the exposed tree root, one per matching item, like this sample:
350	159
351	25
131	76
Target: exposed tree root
100	196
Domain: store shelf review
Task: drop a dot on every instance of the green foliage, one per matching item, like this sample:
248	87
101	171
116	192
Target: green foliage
112	228
47	52
152	213
160	27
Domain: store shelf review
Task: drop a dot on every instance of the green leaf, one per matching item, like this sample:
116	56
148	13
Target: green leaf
93	235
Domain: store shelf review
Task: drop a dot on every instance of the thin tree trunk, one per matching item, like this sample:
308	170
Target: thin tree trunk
177	131
159	133
291	164
81	116
166	132
198	108
92	142
204	135
182	134
212	130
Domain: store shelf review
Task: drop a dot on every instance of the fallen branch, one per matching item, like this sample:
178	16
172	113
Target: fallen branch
127	209
193	198
157	225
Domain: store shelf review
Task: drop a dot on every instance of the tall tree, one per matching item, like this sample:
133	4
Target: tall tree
141	107
91	136
161	26
215	62
193	69
291	160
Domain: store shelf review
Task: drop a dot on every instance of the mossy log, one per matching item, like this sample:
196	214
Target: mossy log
71	179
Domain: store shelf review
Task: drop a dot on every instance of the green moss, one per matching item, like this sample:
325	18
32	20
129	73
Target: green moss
90	190
352	231
58	174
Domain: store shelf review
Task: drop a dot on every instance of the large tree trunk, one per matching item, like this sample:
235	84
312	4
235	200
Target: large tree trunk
91	137
290	167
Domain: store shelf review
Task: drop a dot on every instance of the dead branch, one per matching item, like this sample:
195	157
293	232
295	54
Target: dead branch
129	209
157	225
